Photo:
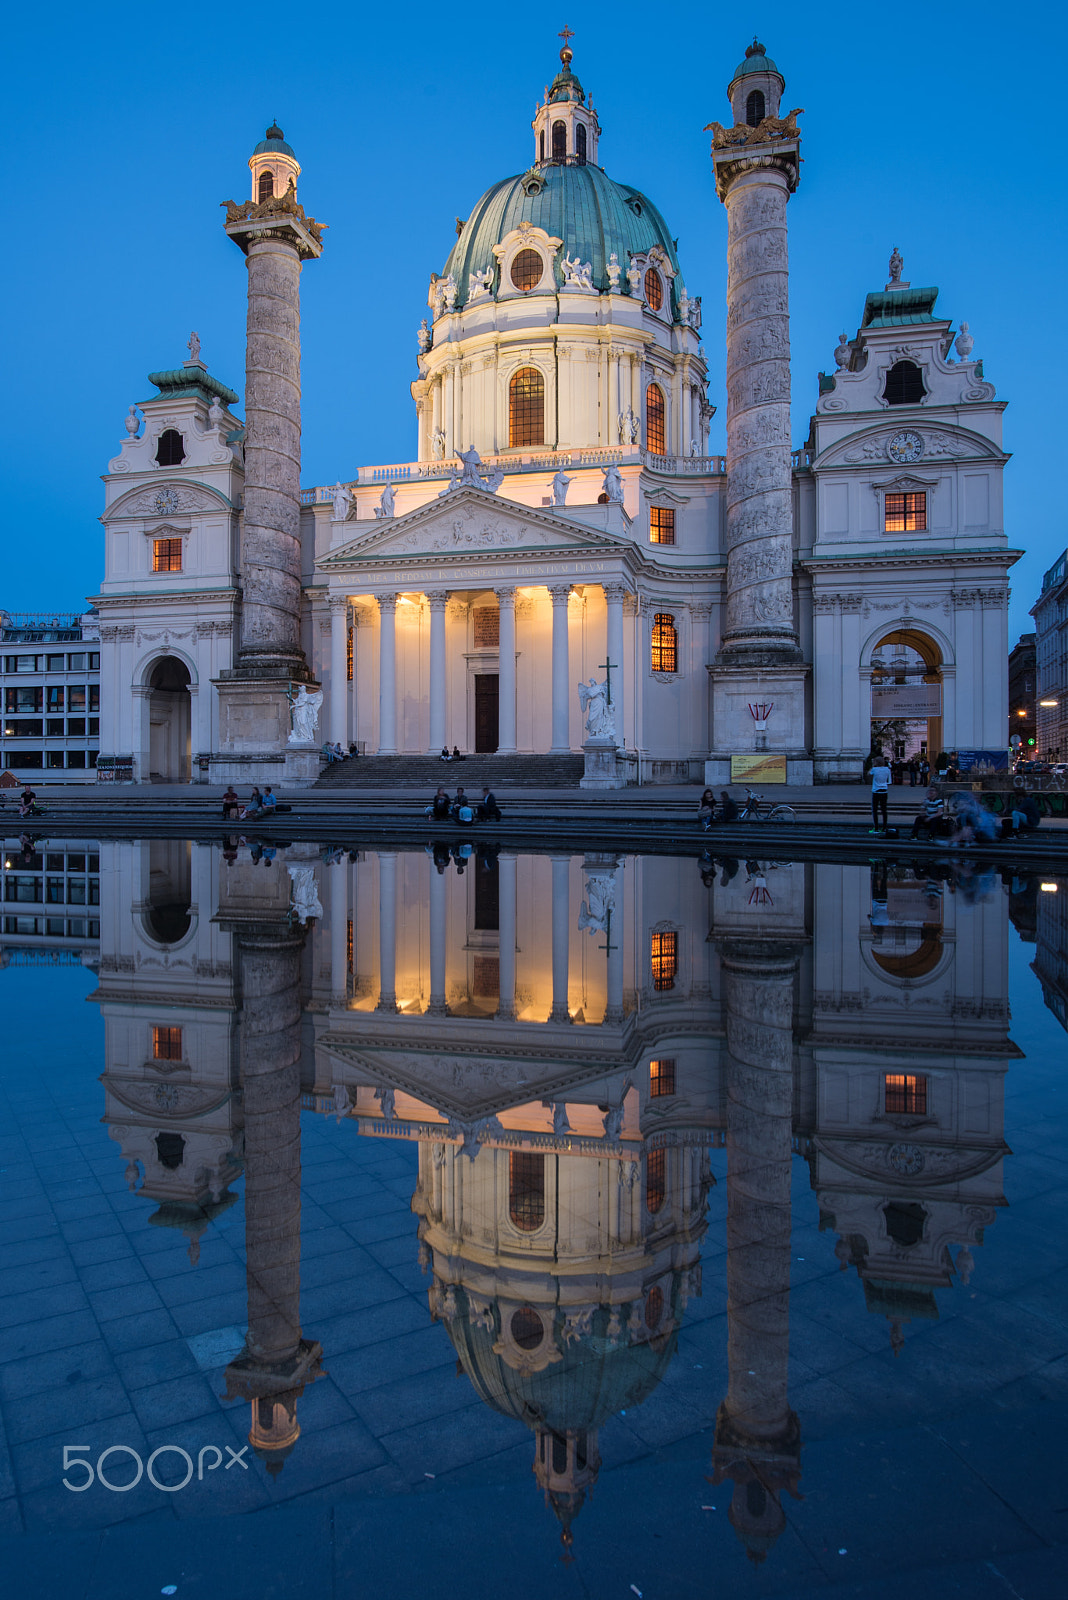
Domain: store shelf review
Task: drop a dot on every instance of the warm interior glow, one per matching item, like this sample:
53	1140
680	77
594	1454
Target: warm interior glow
1048	888
1047	702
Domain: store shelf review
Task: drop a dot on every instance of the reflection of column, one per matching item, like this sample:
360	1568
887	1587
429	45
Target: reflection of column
561	938
339	676
506	670
438	886
276	1362
758	1437
339	933
561	741
506	870
614	939
387	675
437	601
614	593
387	931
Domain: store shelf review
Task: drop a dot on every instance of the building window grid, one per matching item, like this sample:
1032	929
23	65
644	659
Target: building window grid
654	290
655	420
526	409
904	1094
526	271
664	643
526	1189
664	959
166	555
166	1043
905	513
661	1078
655	1180
662	524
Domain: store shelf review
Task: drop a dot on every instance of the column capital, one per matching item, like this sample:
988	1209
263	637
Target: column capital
387	602
339	602
437	599
560	593
615	593
505	598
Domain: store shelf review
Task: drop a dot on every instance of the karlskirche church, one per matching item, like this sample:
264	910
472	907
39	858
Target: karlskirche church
563	570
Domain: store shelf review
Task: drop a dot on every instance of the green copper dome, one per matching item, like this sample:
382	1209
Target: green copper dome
274	143
592	215
756	60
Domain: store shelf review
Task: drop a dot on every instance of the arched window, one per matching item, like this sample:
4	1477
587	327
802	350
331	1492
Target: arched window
266	190
664	649
754	108
170	1148
655	1181
654	290
904	1222
664	959
526	408
526	1189
904	384
655	419
170	452
580	143
541	145
559	142
527	269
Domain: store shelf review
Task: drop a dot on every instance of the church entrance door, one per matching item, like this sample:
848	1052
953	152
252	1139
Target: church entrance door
487	705
170	721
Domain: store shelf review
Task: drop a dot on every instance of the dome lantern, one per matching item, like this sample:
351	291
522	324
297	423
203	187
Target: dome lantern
274	166
565	125
756	87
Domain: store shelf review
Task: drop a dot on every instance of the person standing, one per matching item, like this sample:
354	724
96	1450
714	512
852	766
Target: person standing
881	779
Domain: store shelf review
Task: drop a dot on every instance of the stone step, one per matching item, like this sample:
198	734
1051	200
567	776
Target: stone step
427	772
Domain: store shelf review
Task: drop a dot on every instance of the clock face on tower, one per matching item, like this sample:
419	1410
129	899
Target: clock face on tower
905	448
167	502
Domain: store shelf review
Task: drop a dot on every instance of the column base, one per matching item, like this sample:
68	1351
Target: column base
559	1014
437	1008
388	1003
254	734
760	719
505	1013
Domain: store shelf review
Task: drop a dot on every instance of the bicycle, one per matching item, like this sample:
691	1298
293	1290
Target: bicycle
756	809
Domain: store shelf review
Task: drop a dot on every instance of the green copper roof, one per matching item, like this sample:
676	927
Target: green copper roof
896	307
755	61
184	381
274	142
580	205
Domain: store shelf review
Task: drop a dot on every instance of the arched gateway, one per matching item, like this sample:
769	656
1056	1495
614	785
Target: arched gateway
169	720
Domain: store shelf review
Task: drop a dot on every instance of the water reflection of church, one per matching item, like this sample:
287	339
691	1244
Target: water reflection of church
566	1038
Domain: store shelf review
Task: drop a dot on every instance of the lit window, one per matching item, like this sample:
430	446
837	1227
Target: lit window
166	555
527	268
905	513
655	1181
559	142
526	408
348	654
664	959
905	1095
664	644
661	525
166	1044
580	143
754	108
266	191
661	1078
904	384
170	452
655	420
526	1189
654	290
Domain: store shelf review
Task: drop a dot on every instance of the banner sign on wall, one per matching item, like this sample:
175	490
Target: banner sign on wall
979	761
758	767
907	700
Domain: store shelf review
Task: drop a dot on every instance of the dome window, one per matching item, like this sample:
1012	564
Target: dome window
655	419
526	1192
541	145
655	1181
580	143
266	186
654	290
527	269
904	384
526	409
526	1328
559	142
754	108
170	452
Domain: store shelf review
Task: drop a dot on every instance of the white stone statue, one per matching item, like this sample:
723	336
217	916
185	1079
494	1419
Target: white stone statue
448	292
599	903
560	1123
385	507
387	1099
964	344
469	477
133	422
634	278
304	711
577	274
193	346
478	284
493	479
695	449
634	428
614	271
842	352
216	414
437	441
684	307
695	312
342	1098
560	483
613	483
423	338
342	503
600	719
897	262
305	896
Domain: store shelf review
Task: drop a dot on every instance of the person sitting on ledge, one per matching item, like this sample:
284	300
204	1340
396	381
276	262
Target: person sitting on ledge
261	805
462	803
231	804
706	811
456	756
728	810
445	756
1024	814
440	807
932	822
487	806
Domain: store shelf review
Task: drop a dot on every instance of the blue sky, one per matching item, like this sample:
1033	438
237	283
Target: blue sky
126	126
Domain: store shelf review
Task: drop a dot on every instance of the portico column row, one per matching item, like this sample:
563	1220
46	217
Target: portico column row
437	601
561	741
387	675
506	680
339	677
615	594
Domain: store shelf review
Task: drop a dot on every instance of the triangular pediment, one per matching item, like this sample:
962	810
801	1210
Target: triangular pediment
471	523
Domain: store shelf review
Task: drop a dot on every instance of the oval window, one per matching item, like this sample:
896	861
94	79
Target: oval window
527	1329
526	270
654	290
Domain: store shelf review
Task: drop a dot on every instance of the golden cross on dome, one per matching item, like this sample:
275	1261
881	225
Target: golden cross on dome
565	34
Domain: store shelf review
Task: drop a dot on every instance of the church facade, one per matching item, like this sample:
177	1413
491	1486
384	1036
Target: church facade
774	611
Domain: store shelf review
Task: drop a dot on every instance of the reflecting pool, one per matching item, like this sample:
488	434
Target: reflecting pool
383	1222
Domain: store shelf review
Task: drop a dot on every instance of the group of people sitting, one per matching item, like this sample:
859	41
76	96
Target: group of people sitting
453	755
259	805
968	819
460	808
334	752
707	812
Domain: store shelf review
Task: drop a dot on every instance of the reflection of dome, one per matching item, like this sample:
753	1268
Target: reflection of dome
592	215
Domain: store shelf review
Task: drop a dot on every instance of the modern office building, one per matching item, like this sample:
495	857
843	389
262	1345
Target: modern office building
50	675
1051	654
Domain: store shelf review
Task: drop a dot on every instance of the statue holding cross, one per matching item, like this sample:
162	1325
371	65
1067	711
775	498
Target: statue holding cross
597	709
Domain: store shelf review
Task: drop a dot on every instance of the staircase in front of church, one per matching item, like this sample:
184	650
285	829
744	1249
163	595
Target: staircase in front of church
426	772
